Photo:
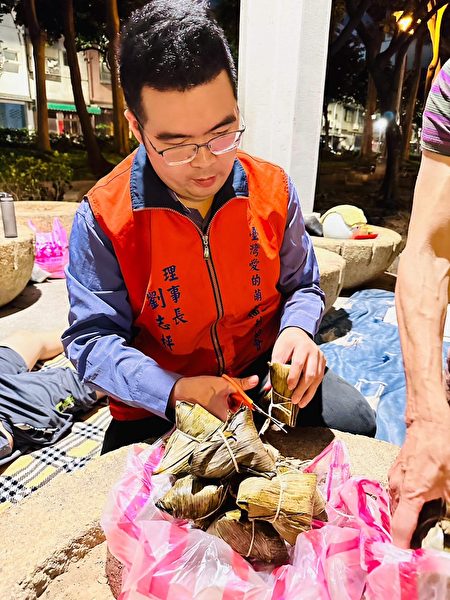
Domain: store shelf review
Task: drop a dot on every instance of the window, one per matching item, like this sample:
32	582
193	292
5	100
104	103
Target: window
348	115
11	61
65	61
12	116
11	55
52	64
105	73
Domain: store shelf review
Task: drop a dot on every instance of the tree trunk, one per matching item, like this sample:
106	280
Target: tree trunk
412	96
121	135
38	39
326	127
389	93
389	187
371	106
96	160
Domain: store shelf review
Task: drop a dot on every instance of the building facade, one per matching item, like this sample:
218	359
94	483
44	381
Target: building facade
18	90
346	126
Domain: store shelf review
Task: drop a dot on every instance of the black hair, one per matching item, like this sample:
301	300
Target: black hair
171	45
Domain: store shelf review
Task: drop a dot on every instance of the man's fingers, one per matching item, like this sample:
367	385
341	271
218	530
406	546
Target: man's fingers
309	394
295	371
311	376
247	383
404	521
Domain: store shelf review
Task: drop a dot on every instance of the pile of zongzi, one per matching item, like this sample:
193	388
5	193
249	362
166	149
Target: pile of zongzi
230	483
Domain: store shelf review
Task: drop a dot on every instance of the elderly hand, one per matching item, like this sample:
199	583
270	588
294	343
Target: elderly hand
307	363
420	473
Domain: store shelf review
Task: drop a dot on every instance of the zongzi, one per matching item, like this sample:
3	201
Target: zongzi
192	498
255	539
286	501
235	447
194	425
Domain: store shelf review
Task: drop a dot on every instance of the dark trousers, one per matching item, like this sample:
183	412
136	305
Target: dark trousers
336	404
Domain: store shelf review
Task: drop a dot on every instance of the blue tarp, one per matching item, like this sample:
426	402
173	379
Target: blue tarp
364	349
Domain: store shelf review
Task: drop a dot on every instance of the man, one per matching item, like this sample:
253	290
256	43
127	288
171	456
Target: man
191	260
36	408
422	470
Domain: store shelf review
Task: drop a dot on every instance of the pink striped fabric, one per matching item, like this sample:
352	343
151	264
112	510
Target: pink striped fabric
436	116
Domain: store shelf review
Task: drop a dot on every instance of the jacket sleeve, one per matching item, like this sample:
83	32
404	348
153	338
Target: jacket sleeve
304	301
100	323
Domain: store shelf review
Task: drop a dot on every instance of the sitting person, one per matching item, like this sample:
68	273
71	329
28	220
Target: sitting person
190	259
36	408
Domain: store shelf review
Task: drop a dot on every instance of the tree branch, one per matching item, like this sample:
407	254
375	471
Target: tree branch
403	41
352	23
361	29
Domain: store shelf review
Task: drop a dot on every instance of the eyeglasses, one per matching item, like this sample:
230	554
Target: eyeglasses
181	155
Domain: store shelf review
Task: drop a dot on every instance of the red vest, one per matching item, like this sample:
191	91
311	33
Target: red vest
203	303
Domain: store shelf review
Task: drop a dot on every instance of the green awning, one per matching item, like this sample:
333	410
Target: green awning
93	110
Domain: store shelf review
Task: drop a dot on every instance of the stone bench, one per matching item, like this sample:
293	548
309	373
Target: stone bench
52	542
42	213
16	263
332	272
365	259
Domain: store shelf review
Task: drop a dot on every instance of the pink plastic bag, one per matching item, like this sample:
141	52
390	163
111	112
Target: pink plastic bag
52	253
351	555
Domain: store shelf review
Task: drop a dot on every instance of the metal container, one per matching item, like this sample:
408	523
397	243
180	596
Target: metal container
8	215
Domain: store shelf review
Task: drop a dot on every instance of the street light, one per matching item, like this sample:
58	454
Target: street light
404	21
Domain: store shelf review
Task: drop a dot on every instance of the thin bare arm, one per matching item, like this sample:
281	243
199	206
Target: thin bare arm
422	471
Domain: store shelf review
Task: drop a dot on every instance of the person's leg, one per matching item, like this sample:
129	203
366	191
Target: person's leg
338	405
34	345
124	433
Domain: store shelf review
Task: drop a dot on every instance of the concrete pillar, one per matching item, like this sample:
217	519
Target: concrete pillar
282	62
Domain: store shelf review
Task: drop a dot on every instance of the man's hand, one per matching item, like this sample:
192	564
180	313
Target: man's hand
307	363
212	393
420	473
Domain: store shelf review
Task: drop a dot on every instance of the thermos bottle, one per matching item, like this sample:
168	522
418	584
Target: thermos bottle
8	215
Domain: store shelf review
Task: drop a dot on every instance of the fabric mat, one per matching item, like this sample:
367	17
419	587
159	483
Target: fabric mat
30	472
361	343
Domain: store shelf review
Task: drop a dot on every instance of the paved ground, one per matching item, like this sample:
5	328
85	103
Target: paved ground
41	306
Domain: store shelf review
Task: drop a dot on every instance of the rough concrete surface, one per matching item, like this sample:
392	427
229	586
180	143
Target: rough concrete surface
365	259
332	272
54	528
16	263
41	306
83	580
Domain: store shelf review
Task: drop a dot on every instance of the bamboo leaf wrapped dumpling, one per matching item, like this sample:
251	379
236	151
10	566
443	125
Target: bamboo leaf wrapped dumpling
194	425
255	539
287	501
192	498
235	447
195	421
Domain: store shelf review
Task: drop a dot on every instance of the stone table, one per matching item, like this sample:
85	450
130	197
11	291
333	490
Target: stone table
16	263
332	273
365	259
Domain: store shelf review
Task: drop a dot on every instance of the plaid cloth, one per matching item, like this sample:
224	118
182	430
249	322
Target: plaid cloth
30	472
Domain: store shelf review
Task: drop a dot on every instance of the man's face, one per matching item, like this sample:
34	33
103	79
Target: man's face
194	116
